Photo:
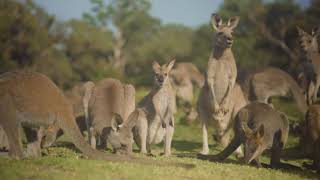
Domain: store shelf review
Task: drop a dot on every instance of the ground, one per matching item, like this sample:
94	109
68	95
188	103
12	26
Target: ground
64	162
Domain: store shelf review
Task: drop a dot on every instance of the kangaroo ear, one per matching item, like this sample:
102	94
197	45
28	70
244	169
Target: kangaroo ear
315	32
156	67
233	22
170	65
300	31
116	121
216	21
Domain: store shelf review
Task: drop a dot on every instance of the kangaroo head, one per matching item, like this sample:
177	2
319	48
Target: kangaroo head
161	76
113	133
223	31
308	42
120	137
254	145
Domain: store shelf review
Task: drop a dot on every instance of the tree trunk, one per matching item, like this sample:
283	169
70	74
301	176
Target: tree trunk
118	59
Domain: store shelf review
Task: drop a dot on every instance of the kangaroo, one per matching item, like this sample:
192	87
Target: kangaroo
309	45
306	77
310	135
266	83
258	127
213	103
153	120
75	96
183	77
107	97
31	100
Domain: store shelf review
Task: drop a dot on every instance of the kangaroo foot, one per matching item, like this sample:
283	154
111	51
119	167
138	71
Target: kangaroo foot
165	154
33	150
204	152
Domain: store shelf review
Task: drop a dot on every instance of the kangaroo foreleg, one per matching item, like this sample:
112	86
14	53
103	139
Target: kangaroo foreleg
213	95
316	89
226	97
234	144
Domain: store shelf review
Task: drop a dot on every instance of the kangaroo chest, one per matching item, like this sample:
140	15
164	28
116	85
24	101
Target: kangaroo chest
161	102
224	74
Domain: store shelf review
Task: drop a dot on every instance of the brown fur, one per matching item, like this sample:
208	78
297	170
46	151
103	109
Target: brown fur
214	103
183	77
312	134
108	96
266	83
258	127
153	121
31	100
309	45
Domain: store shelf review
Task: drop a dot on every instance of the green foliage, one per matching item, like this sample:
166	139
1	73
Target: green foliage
82	50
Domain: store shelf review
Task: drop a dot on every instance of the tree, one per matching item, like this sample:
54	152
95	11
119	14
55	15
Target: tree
130	21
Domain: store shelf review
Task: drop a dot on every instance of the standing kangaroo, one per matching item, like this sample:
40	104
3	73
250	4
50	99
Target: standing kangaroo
258	127
309	45
266	83
153	121
220	78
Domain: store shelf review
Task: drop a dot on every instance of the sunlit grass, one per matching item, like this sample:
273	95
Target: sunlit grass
63	162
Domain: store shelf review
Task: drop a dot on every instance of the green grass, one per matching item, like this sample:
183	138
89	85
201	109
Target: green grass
63	162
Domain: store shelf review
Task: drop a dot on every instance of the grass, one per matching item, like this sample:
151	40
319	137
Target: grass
63	162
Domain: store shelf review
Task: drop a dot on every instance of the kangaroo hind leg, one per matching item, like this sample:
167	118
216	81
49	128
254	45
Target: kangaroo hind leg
10	124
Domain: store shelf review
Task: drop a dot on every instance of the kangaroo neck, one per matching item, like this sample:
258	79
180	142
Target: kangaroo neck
221	53
157	88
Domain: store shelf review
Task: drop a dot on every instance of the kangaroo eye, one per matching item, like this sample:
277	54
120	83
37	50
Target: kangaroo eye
165	74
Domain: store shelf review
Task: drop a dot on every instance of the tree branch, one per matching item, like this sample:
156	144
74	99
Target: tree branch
268	35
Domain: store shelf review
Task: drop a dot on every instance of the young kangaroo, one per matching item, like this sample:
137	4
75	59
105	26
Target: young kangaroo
266	83
213	103
153	121
258	127
309	45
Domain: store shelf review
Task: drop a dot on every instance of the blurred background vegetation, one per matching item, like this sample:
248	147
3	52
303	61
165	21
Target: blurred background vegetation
121	39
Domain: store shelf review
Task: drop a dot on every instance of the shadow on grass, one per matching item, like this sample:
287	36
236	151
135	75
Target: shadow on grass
292	169
190	146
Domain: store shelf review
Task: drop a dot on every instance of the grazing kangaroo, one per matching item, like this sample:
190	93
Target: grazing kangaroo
213	103
107	97
309	45
75	96
258	127
266	83
183	76
153	120
32	101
